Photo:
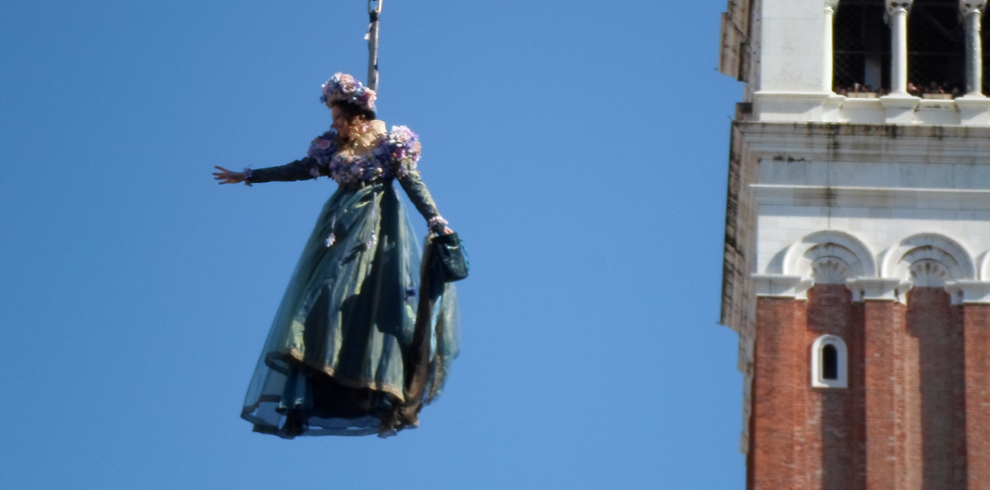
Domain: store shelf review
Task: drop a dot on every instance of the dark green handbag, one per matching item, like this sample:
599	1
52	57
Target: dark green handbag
451	257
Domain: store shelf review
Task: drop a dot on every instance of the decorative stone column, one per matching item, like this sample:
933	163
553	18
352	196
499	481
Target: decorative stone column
897	13
899	106
830	109
972	14
828	74
974	107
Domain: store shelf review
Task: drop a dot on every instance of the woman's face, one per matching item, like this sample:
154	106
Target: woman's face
340	122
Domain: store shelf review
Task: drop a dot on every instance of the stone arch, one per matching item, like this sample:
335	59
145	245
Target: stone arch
985	268
830	257
928	259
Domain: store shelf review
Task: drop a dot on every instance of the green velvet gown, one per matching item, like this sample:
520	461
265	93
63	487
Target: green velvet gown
364	335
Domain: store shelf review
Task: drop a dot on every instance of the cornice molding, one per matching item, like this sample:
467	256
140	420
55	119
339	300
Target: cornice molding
894	197
867	142
868	288
969	292
781	286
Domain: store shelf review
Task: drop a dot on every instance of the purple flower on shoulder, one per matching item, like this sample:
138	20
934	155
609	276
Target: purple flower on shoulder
399	150
323	148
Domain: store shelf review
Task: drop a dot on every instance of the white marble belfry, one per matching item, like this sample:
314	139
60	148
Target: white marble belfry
791	68
882	193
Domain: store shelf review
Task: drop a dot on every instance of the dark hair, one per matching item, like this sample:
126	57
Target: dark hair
353	110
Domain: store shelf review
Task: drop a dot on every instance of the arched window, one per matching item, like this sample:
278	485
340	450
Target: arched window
861	48
829	363
936	48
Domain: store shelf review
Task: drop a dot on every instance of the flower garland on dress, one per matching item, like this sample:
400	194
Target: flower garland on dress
349	168
396	154
401	148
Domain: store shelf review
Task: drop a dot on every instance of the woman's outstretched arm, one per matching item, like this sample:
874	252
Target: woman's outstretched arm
304	169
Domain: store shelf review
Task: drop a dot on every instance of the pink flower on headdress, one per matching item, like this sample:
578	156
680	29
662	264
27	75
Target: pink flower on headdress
322	143
371	97
347	83
342	87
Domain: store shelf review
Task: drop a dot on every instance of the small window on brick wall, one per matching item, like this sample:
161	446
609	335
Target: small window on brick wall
829	363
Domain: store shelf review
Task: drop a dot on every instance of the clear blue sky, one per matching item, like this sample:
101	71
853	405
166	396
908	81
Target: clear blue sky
579	147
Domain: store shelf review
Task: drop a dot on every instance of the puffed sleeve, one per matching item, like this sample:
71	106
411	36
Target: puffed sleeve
304	169
315	164
400	150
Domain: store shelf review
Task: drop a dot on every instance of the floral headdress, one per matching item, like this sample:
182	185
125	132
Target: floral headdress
345	88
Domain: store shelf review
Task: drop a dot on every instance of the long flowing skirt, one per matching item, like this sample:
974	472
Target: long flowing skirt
364	335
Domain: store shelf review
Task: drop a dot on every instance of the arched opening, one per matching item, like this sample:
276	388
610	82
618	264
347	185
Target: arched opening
861	49
936	49
830	362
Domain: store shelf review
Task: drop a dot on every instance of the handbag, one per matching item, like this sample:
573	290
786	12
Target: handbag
451	257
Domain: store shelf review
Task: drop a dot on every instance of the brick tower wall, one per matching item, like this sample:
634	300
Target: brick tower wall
975	319
934	418
836	457
914	416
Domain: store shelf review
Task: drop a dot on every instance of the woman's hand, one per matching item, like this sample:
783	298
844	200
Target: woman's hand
228	177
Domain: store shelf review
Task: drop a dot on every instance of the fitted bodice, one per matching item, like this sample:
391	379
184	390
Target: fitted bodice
373	156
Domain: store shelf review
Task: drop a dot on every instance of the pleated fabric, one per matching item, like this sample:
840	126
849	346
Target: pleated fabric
364	335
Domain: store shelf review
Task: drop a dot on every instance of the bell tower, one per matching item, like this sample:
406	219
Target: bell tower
857	249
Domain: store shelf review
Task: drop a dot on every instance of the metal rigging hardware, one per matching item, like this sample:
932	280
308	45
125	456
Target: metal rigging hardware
374	10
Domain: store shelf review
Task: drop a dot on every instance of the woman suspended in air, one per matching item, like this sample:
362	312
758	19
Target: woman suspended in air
364	335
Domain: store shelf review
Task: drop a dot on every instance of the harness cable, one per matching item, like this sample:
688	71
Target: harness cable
372	37
373	13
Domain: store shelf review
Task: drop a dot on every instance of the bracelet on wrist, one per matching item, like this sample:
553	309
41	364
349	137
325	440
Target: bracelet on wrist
437	222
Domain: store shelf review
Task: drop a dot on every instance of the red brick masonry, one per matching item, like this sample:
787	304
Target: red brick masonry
916	414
